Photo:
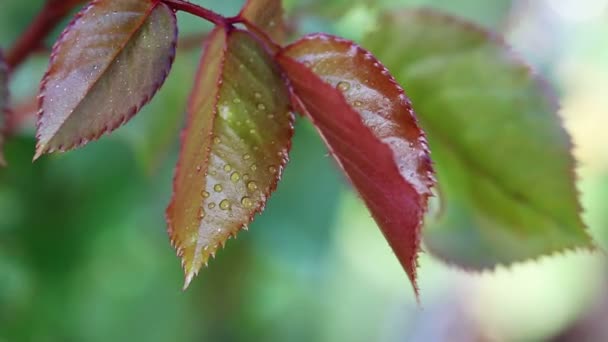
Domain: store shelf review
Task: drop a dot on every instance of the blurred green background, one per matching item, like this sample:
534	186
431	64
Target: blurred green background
84	255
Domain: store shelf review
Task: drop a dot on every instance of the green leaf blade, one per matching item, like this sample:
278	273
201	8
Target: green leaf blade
234	147
107	64
503	160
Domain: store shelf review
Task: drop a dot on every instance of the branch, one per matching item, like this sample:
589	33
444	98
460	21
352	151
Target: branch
194	9
32	39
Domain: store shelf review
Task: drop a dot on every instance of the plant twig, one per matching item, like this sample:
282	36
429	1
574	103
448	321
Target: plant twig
32	39
194	9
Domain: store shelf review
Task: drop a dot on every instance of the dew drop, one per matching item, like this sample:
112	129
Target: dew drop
257	95
246	202
254	167
247	157
205	194
217	140
358	103
218	188
270	116
252	186
245	177
235	177
227	168
225	204
198	168
261	106
201	213
211	205
272	169
236	101
343	86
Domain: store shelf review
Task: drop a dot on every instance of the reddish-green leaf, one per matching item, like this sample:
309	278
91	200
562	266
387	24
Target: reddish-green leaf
503	160
234	146
370	128
108	63
3	104
266	15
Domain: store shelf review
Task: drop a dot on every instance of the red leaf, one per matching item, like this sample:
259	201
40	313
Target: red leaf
370	128
234	146
3	104
106	65
267	15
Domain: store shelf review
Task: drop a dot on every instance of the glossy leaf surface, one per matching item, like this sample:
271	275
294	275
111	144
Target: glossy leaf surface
503	159
3	105
370	128
234	147
268	16
106	65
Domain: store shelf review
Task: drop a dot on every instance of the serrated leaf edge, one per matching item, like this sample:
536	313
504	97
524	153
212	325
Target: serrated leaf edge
519	63
190	274
111	126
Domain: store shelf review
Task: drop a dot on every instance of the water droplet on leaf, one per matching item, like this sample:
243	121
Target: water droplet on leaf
343	86
225	204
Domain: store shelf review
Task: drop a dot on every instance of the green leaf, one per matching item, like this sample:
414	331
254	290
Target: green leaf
106	65
503	160
234	147
3	105
370	128
267	15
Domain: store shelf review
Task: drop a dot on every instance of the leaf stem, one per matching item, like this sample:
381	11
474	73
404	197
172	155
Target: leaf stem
194	9
32	39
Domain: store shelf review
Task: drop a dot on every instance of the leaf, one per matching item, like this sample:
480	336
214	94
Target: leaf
3	105
106	65
234	147
503	159
267	15
370	128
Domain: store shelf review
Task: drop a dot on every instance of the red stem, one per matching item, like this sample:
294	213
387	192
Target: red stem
32	39
194	9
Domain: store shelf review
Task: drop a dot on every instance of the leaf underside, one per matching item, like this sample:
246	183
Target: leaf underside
369	126
3	105
106	65
268	16
234	147
503	159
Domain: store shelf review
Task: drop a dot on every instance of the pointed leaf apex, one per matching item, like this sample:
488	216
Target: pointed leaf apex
188	279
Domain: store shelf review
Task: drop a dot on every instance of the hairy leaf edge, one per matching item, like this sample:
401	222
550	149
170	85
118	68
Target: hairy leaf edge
43	149
416	233
190	274
549	95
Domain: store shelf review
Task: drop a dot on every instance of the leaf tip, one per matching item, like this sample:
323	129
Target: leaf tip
188	279
40	150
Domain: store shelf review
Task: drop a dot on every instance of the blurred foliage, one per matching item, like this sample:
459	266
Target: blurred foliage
84	255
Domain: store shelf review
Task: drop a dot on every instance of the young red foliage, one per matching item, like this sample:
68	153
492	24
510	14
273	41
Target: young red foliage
109	62
266	15
234	146
369	127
